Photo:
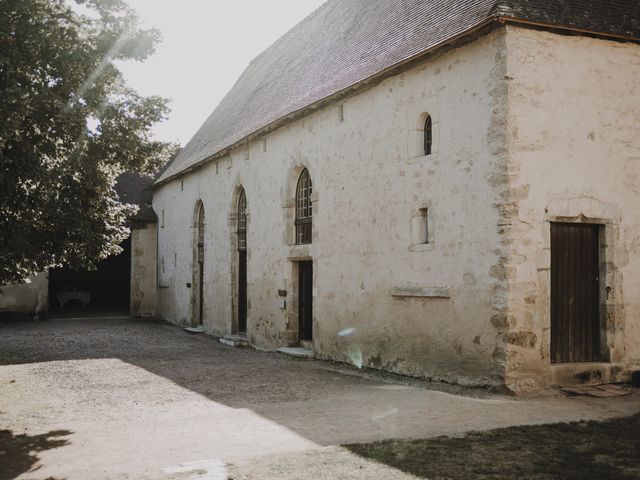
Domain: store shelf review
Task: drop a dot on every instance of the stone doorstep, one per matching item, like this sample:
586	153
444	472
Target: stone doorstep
297	352
236	341
199	329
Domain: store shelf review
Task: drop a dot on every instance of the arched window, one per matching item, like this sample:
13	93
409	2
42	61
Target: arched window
303	208
428	135
242	221
200	227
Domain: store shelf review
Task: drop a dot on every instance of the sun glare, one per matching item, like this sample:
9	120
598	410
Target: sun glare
206	46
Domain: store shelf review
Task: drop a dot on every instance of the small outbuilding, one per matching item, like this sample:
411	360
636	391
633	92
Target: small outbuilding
123	284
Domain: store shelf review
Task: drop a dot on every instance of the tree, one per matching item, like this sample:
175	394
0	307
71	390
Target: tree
69	125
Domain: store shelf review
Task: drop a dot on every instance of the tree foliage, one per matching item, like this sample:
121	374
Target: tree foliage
69	125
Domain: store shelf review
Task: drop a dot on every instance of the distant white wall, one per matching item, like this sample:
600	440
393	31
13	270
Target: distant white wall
30	298
143	270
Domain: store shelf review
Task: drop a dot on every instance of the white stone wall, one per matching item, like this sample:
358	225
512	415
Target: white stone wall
370	183
143	270
30	298
574	150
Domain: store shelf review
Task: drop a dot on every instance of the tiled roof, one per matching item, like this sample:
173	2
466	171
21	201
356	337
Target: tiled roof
345	42
134	189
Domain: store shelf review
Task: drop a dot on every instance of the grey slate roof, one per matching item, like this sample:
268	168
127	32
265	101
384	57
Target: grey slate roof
134	189
345	42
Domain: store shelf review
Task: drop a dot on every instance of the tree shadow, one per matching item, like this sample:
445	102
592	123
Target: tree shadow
262	382
19	452
578	450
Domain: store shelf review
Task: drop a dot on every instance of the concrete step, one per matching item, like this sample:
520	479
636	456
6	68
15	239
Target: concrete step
198	329
297	352
236	341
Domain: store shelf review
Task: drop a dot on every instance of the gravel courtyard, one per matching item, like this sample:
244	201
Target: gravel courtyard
134	399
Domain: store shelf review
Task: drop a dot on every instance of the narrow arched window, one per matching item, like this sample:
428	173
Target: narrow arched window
304	209
428	135
200	227
242	221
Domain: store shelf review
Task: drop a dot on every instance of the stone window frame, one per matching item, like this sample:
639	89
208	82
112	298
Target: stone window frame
289	206
304	209
423	213
416	121
241	222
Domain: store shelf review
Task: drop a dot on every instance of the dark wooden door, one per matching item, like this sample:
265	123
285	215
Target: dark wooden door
305	301
242	291
575	293
201	294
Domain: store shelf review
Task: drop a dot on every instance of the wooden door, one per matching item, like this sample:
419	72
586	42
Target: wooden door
575	293
305	301
201	295
242	291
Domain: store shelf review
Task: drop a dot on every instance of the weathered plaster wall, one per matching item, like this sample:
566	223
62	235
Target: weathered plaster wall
143	270
574	149
31	298
370	182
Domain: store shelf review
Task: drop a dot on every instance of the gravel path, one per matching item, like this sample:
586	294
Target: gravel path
132	399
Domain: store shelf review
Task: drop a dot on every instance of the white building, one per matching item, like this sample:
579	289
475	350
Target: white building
507	252
444	189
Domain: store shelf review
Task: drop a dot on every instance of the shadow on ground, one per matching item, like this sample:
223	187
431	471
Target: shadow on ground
19	452
580	450
323	404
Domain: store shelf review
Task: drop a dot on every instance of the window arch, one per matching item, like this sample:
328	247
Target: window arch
304	208
200	232
428	135
242	221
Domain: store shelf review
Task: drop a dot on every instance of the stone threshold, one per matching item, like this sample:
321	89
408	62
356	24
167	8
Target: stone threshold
198	329
236	341
297	352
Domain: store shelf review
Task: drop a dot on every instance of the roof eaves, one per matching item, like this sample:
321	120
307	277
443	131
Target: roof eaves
506	18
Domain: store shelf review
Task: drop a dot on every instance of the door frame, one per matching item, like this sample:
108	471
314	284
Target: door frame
307	264
233	325
300	253
198	268
612	312
243	292
589	262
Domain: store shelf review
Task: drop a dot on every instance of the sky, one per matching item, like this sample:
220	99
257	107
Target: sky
206	46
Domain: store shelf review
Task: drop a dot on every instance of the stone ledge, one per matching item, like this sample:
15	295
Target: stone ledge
198	329
421	292
235	341
297	352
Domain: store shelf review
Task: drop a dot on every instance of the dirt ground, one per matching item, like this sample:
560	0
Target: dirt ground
133	399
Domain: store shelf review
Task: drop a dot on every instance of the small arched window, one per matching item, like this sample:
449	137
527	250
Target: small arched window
428	135
304	209
242	221
200	227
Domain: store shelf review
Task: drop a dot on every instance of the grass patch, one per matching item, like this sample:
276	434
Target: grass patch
579	450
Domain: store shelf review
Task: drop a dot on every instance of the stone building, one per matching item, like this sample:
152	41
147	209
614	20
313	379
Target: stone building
443	189
435	188
121	285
